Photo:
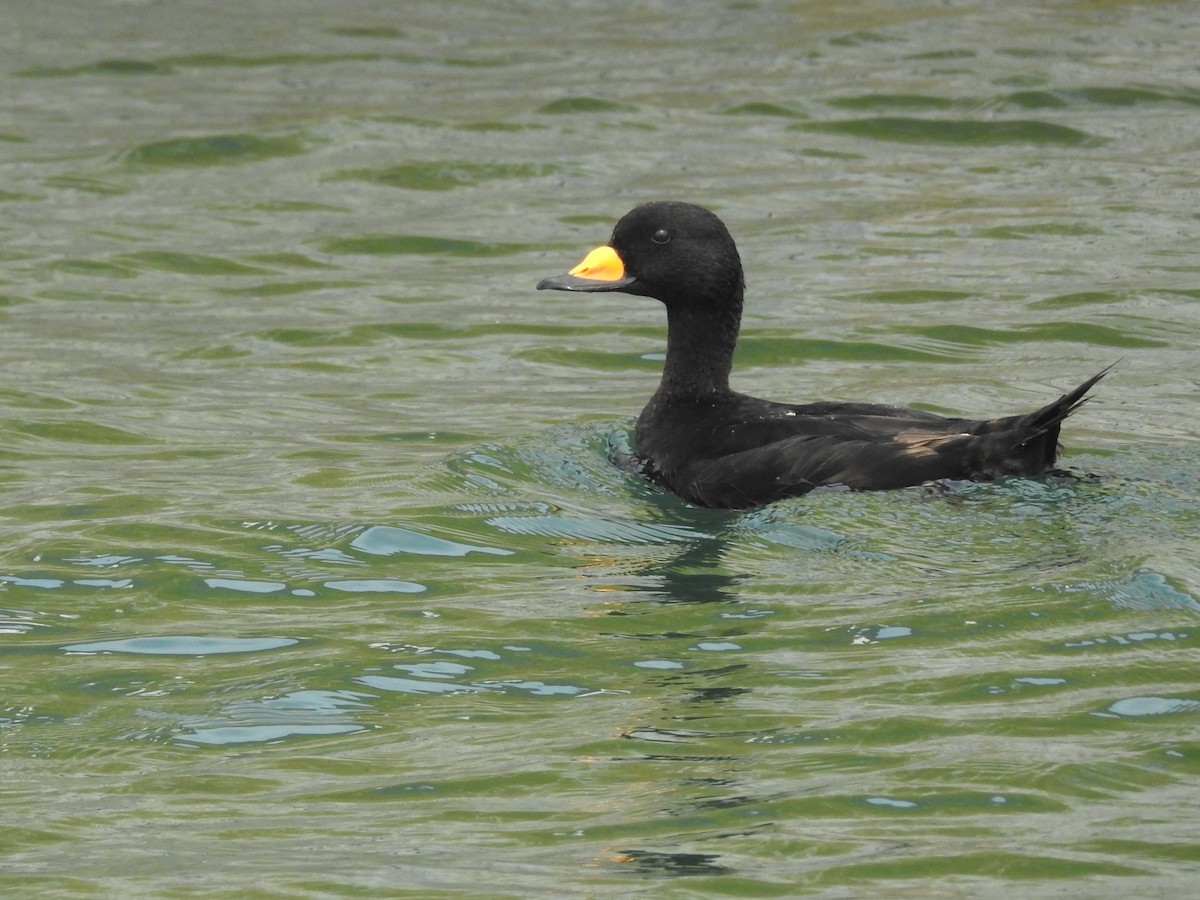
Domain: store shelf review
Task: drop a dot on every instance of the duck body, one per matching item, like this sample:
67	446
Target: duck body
739	451
716	447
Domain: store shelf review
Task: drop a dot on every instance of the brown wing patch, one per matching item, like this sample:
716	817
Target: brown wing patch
921	443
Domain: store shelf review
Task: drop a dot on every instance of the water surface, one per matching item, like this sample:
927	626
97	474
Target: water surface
316	575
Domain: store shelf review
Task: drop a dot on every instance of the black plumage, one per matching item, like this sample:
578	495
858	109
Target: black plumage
716	447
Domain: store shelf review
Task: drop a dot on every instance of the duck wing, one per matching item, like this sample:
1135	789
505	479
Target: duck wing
780	451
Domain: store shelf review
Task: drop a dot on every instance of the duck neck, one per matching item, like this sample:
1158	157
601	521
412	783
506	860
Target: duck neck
700	344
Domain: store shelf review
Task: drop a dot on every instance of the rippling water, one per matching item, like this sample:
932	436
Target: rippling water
316	575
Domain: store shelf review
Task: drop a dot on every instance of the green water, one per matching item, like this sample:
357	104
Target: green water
316	578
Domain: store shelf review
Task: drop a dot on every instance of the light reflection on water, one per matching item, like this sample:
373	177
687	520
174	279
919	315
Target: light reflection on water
314	519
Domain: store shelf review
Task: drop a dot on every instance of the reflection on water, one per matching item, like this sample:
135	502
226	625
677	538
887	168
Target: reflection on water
318	521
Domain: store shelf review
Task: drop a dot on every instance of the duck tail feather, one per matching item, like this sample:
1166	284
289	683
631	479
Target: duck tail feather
1046	421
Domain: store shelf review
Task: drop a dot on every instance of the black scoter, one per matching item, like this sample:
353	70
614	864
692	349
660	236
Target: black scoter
716	447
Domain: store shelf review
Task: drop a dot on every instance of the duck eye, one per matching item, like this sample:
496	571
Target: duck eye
661	236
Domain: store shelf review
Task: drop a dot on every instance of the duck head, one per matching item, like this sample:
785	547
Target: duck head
676	252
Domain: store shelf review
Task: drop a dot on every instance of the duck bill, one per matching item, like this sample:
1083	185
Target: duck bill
601	270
